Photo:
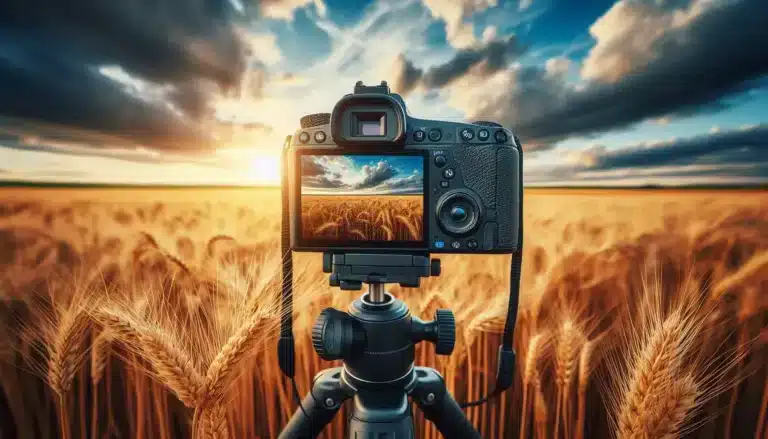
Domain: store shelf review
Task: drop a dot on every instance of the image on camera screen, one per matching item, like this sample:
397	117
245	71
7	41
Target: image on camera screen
361	197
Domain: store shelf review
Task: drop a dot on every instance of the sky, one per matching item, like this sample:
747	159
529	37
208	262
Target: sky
362	174
634	92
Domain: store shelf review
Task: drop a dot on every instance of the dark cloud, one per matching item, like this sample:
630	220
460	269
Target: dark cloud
729	147
406	76
310	167
482	61
322	181
735	154
315	174
22	143
50	54
718	54
375	175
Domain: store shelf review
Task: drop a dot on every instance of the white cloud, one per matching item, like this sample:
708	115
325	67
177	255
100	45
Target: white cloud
525	4
459	32
262	46
558	66
285	9
626	35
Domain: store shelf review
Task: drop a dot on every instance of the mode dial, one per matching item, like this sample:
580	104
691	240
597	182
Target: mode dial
314	120
487	123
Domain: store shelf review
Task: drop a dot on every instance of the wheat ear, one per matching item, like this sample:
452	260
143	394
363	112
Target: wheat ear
222	369
584	368
653	371
530	372
214	422
569	342
67	350
100	350
171	365
670	410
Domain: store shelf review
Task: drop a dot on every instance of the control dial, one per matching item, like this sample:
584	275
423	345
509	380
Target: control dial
314	120
336	335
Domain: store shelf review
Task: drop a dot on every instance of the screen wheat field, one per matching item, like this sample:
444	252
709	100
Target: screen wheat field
362	218
149	313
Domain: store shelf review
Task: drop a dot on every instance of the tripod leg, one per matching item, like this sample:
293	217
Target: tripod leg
439	406
321	404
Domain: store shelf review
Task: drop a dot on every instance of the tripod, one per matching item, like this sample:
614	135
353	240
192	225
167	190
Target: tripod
376	341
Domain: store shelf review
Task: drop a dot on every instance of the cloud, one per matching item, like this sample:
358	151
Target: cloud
413	183
50	59
285	9
743	146
480	61
459	33
737	154
376	175
690	66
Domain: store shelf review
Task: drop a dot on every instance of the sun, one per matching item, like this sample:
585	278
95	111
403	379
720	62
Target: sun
265	170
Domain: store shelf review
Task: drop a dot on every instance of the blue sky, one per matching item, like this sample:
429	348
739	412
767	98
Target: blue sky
601	93
362	174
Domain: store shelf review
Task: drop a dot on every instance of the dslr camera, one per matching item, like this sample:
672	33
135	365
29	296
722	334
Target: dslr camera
370	177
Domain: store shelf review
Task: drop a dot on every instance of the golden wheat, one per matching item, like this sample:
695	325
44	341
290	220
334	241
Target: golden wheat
196	268
171	365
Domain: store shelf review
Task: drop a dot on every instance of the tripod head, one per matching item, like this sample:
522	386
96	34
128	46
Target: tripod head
338	336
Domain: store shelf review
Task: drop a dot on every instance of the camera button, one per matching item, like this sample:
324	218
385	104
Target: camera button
501	136
472	244
467	134
440	160
445	183
304	137
456	244
320	137
419	135
449	173
439	244
483	135
435	134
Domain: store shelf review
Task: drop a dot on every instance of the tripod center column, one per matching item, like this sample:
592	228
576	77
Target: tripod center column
376	293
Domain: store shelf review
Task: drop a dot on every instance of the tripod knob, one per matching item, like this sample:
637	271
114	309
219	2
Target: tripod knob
336	335
446	331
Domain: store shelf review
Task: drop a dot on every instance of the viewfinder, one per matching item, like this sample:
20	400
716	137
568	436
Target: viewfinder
369	124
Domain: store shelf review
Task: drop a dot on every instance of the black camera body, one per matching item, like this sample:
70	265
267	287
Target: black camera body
369	177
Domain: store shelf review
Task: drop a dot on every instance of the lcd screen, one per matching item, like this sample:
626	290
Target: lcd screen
362	198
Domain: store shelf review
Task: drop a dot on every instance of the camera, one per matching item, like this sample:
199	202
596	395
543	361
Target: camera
370	177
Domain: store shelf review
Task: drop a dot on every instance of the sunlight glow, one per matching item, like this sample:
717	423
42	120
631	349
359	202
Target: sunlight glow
265	170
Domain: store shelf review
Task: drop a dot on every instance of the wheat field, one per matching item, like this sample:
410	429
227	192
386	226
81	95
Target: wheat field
149	313
355	218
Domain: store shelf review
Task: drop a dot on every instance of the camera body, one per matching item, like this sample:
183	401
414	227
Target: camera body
369	177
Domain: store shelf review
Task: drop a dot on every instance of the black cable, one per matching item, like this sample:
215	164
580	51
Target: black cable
506	357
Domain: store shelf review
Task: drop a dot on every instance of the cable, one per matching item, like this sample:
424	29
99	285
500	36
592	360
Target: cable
506	357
